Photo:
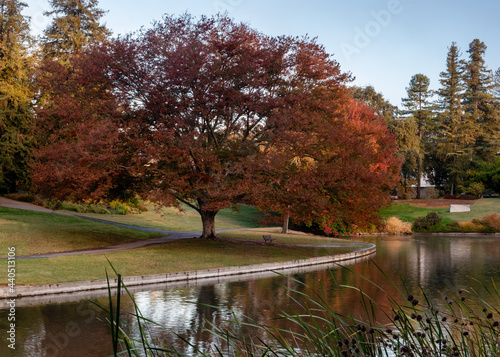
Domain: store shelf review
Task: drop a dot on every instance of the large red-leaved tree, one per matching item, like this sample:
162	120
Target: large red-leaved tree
205	98
339	170
210	112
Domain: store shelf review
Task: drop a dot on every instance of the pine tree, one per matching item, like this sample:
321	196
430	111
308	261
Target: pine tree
377	102
419	108
409	151
480	103
454	133
496	78
15	97
75	25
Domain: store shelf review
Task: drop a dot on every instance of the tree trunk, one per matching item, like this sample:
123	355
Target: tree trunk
286	219
418	184
208	221
454	178
419	179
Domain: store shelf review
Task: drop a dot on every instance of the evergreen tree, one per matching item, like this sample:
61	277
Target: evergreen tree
15	96
480	103
419	108
75	25
409	151
454	133
497	84
377	102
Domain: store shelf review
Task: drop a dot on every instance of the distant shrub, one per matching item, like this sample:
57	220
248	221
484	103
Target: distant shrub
426	222
131	206
492	220
451	197
136	203
116	207
73	207
431	192
453	227
488	192
84	207
119	207
468	197
97	208
21	197
396	226
475	189
52	204
471	227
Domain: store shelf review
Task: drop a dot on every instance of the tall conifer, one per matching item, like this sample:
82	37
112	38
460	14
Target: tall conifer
454	132
496	78
480	103
15	96
417	106
75	24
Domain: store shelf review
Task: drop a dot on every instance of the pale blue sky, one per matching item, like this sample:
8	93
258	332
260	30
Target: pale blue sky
381	42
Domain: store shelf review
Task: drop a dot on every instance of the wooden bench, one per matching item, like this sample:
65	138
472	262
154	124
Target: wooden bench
267	239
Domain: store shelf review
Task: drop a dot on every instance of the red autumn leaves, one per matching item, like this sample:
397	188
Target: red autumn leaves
209	113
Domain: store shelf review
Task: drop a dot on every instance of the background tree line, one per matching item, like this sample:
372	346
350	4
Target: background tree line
450	136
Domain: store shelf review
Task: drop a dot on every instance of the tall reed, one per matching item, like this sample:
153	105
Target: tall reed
464	325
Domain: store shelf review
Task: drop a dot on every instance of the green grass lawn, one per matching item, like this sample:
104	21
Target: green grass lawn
479	209
171	219
291	238
191	254
409	213
36	232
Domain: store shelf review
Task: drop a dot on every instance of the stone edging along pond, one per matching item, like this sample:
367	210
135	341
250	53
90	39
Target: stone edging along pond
79	286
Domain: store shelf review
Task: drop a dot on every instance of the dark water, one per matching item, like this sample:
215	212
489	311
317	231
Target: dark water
441	265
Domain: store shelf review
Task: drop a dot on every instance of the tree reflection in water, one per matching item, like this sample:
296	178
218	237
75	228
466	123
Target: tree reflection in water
441	265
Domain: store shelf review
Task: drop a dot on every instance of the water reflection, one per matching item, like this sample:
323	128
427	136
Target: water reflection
441	265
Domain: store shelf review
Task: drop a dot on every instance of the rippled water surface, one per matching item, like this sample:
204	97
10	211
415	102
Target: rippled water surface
441	265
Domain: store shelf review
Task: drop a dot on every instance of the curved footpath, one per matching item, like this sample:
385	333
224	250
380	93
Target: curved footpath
73	287
170	236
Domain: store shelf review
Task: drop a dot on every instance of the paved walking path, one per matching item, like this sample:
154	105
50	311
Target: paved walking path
8	203
171	236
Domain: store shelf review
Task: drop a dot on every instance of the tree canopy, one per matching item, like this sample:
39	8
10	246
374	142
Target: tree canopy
210	113
75	24
15	97
418	107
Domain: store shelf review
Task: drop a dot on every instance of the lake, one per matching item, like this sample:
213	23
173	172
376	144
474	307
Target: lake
73	326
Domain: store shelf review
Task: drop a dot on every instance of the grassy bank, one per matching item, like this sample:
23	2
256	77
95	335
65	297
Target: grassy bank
409	212
191	254
433	215
189	220
36	233
255	235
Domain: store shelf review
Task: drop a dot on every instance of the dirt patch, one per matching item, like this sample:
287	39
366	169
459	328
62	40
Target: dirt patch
437	202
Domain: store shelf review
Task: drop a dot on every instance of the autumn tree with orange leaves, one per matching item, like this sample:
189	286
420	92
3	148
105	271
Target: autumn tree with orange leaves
213	112
336	176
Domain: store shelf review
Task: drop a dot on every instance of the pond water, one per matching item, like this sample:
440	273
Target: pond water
73	326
